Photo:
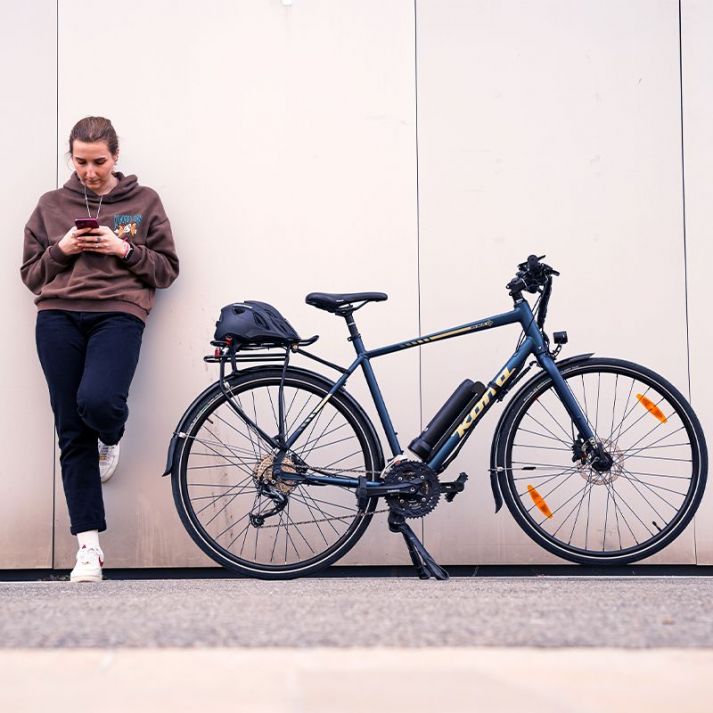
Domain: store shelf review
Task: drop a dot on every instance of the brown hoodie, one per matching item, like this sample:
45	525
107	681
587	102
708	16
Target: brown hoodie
92	282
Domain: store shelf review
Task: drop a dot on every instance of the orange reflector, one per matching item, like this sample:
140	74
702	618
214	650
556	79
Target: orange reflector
651	407
539	501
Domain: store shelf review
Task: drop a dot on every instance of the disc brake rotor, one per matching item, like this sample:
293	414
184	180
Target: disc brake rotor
607	476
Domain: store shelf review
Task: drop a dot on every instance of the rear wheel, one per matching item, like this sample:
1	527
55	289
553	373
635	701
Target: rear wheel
223	465
623	513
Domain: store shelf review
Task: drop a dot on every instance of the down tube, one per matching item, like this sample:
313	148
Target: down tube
466	426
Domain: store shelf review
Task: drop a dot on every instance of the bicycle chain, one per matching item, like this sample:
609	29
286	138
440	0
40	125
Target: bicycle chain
324	519
335	471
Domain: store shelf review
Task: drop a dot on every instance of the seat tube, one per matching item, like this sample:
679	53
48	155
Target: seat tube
373	385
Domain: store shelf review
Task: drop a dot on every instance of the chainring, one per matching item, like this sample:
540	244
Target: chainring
426	492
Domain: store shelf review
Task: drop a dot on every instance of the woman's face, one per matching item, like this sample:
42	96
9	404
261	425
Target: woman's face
94	164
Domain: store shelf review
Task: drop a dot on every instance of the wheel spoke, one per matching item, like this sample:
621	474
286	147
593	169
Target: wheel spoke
549	413
541	425
577	506
222	444
636	505
653	487
542	435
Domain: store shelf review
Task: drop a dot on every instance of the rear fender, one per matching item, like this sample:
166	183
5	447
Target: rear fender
178	432
529	384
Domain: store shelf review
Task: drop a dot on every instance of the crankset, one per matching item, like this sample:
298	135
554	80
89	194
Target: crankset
420	489
412	490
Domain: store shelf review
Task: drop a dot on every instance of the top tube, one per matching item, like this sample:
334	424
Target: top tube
521	313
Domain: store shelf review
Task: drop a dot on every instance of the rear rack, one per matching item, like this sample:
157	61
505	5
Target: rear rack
225	356
229	351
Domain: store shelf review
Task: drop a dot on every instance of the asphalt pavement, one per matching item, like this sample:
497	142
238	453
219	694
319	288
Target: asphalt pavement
497	644
635	612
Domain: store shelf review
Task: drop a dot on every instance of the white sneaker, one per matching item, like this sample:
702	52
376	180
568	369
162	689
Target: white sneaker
108	460
90	561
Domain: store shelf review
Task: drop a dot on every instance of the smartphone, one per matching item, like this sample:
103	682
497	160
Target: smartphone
86	223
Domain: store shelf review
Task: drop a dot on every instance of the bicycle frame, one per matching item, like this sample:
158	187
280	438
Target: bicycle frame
533	345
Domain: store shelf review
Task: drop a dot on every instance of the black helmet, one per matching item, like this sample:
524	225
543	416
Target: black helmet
254	323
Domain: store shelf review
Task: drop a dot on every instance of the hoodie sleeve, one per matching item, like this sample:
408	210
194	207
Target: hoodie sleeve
156	262
41	262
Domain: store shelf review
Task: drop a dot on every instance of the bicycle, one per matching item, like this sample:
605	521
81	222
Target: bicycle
277	470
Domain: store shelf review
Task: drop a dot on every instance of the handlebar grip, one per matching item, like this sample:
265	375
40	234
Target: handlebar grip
532	274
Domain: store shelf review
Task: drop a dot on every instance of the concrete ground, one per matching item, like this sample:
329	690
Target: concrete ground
347	644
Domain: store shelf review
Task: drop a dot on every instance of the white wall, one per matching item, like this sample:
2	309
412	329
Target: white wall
283	141
27	145
697	25
557	133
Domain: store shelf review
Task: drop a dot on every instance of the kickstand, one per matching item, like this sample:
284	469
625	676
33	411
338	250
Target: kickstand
425	565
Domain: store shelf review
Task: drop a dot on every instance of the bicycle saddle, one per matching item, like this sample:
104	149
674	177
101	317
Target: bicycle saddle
333	302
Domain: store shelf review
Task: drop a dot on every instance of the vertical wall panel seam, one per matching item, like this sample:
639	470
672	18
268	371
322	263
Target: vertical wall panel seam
56	183
418	212
685	234
683	202
418	230
56	66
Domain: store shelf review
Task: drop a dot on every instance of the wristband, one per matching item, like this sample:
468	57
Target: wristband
128	250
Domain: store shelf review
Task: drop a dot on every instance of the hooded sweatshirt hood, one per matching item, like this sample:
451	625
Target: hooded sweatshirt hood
127	187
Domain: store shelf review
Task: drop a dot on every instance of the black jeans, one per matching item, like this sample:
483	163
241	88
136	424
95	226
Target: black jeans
89	360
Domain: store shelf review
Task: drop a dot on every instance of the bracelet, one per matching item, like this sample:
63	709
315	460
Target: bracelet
128	249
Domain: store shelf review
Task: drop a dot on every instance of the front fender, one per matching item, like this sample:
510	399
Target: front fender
533	381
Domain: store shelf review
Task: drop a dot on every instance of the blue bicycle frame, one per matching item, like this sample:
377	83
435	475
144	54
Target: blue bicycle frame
532	344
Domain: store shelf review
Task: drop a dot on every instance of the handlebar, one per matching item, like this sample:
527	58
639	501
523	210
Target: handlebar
531	276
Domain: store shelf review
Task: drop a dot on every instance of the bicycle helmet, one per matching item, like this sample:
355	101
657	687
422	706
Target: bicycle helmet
254	323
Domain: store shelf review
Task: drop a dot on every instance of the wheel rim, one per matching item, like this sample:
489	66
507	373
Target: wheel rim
224	464
625	511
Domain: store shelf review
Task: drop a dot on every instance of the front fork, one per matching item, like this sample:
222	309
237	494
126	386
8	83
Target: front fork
592	449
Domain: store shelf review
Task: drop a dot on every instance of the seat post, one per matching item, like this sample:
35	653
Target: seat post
354	335
373	385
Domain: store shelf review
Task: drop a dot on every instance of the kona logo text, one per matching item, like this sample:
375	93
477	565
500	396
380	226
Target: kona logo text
470	419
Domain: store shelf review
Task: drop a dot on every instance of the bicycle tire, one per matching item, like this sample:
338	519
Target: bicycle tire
672	480
247	458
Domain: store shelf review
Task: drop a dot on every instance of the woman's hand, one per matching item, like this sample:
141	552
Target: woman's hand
71	243
102	240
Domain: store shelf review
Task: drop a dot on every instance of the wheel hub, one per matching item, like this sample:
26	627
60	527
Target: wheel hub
262	474
606	472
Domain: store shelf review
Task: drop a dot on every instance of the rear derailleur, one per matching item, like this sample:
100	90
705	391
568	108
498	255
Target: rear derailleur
269	484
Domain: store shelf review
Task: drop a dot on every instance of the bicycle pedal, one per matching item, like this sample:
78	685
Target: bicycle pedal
452	489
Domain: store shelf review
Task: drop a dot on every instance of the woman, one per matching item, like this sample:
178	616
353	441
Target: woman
95	288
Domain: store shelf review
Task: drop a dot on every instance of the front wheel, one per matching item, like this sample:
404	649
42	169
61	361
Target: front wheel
614	515
224	469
